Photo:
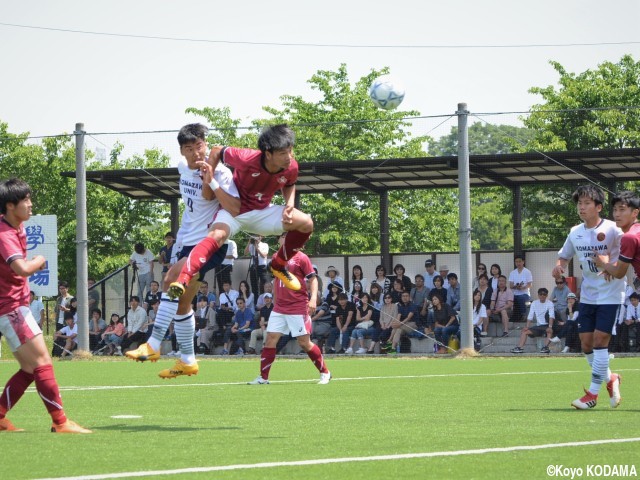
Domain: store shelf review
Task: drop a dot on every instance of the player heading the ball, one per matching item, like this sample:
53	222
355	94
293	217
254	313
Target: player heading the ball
258	175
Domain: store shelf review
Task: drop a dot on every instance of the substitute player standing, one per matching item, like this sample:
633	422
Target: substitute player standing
258	174
202	204
16	321
600	298
292	314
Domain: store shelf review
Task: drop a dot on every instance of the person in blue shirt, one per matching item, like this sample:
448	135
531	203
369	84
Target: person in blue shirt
243	323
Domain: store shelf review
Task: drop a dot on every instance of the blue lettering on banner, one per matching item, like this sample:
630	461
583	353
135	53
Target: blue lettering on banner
41	277
35	236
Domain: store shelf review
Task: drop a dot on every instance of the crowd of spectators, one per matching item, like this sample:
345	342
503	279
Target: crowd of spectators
376	313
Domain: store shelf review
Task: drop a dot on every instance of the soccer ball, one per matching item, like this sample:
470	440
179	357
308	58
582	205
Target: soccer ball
386	92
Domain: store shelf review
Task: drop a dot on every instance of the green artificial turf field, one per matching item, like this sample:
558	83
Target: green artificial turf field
378	418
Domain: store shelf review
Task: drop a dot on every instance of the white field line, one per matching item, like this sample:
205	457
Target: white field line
315	380
325	461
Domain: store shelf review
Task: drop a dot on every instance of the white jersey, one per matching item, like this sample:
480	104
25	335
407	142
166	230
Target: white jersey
198	212
584	243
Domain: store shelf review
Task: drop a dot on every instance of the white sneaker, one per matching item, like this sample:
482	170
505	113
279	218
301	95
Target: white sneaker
349	351
555	339
324	378
258	381
118	351
361	351
565	350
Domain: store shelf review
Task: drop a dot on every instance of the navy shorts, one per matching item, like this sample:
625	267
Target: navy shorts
597	317
214	261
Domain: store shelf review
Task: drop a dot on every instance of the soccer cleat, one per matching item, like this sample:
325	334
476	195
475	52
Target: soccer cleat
7	426
143	353
176	289
324	378
285	277
613	387
179	369
69	427
588	401
517	350
258	381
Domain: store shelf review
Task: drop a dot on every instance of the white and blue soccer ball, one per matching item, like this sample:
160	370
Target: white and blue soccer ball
386	92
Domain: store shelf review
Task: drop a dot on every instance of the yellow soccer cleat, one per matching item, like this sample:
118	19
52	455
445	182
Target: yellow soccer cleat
176	290
7	426
179	369
143	353
69	427
285	277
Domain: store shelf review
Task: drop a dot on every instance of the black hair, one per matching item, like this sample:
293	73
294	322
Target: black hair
139	248
439	278
626	198
543	290
419	275
634	295
68	315
343	296
381	267
13	191
399	265
201	298
483	275
192	133
589	191
276	137
64	284
169	234
134	297
452	275
497	266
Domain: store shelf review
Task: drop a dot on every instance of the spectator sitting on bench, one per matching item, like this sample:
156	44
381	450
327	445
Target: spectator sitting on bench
540	310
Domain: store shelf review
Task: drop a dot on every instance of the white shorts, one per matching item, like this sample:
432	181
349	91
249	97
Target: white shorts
18	327
284	323
267	221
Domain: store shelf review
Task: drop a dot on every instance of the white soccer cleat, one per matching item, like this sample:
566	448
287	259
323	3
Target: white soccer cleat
613	387
324	378
258	381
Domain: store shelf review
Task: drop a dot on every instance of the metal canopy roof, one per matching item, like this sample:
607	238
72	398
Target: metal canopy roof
509	170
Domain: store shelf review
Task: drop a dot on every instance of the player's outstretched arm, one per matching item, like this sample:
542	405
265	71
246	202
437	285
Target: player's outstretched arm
26	268
615	269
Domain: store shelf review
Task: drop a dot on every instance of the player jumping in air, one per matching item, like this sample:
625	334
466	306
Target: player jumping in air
292	314
202	204
600	297
16	321
258	175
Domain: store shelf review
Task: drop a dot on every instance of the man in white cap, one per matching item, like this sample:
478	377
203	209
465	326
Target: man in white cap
444	271
333	275
429	273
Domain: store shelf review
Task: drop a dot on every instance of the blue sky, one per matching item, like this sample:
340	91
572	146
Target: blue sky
51	80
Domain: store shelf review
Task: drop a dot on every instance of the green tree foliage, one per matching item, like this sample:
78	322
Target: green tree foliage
491	208
345	125
114	222
585	111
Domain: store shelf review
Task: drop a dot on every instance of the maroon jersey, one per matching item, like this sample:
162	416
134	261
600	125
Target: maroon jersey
14	289
294	302
254	183
630	247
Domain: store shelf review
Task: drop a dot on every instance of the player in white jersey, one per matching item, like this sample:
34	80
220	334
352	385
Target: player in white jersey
600	296
201	207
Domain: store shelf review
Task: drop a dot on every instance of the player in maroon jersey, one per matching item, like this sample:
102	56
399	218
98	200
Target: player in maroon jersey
626	206
258	175
16	321
292	314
